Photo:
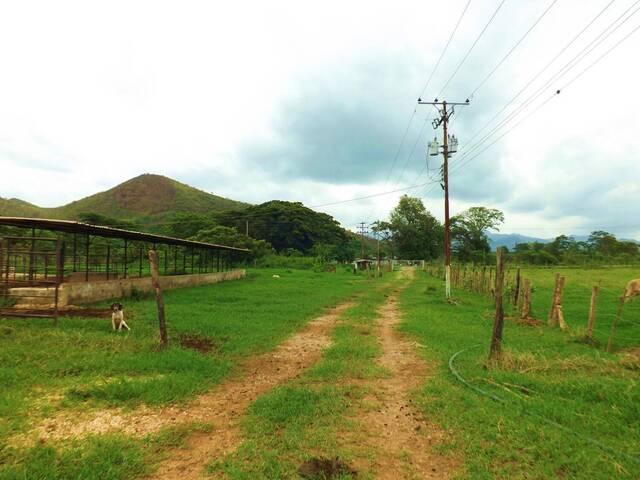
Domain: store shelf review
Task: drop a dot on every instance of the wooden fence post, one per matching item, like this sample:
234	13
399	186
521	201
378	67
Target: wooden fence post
556	316
525	311
592	311
516	291
614	324
498	323
551	318
155	281
559	313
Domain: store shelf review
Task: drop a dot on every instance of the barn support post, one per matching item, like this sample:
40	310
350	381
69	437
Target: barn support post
126	260
86	266
193	256
175	259
165	259
218	262
60	247
107	266
31	254
140	262
184	260
75	253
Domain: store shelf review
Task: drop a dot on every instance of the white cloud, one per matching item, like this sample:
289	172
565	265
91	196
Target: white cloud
253	101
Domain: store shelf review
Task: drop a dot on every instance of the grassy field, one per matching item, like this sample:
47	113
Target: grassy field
82	364
569	409
577	295
547	376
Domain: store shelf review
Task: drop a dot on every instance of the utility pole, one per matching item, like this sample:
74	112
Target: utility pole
375	227
247	228
445	110
362	229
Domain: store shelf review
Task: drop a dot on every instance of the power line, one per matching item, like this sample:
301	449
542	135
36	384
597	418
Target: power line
471	48
455	29
426	85
535	77
458	166
600	57
560	73
606	53
379	194
513	48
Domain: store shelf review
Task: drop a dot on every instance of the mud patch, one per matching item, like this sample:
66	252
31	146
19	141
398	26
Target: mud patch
202	344
325	468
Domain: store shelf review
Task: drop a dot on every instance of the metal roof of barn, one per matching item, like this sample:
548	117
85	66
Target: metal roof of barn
69	226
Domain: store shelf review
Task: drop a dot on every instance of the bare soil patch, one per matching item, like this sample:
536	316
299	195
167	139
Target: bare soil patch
325	468
223	407
403	440
202	344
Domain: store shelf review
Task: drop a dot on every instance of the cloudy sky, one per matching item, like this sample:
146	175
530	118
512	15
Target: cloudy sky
311	101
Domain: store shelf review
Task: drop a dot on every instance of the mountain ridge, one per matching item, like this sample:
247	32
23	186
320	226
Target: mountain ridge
146	198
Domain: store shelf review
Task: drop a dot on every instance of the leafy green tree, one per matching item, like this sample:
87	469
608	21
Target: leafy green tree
186	225
286	225
415	232
560	245
468	231
231	237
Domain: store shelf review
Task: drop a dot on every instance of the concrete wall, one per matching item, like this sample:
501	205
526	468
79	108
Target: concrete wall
95	291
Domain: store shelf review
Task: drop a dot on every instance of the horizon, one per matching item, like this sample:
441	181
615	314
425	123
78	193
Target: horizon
490	233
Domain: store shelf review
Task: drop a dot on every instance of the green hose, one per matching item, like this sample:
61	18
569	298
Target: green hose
605	448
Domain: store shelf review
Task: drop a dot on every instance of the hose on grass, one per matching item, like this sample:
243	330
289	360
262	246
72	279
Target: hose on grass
605	448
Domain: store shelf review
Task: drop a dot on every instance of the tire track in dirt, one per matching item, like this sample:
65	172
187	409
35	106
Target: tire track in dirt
223	406
403	441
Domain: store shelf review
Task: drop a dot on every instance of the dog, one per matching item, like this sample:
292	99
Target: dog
117	317
632	290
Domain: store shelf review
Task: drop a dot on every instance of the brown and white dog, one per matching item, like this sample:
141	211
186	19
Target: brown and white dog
632	290
117	317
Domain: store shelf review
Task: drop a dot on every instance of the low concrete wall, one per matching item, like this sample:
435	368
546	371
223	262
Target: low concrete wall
95	291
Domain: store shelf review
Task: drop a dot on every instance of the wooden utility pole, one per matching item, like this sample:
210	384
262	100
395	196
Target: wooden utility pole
443	120
498	323
155	281
362	228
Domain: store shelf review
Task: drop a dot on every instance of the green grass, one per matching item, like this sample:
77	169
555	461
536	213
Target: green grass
97	457
83	364
310	416
577	296
546	372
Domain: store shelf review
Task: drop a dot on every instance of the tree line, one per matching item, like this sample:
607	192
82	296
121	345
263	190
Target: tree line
289	229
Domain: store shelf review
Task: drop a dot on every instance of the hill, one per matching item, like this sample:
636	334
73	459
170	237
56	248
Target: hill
145	199
509	240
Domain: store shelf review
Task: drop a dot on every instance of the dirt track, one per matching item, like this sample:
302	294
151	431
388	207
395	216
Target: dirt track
402	439
222	407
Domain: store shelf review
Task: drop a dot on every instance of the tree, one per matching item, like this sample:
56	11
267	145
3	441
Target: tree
232	238
468	231
186	225
286	225
415	232
560	245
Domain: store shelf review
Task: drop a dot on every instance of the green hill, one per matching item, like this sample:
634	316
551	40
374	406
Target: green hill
146	199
